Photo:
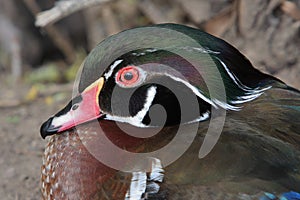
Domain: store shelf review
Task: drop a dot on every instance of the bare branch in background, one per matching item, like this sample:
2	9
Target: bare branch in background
62	9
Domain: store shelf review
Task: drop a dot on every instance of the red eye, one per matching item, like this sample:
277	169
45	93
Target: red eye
128	76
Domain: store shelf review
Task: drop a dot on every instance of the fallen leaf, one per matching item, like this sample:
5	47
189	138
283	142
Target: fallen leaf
49	100
32	93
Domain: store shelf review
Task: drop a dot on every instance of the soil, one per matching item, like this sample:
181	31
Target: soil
21	145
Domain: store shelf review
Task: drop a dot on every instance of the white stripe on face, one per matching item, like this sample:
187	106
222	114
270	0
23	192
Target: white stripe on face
112	67
250	94
138	118
194	89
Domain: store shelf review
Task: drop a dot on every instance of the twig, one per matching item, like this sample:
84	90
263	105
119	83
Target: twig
62	9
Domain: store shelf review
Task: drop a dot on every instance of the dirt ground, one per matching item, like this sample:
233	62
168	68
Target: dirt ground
21	146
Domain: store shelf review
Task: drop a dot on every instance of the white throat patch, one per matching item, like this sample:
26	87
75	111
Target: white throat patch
138	118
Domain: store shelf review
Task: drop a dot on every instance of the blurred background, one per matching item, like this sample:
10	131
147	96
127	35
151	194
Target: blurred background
43	43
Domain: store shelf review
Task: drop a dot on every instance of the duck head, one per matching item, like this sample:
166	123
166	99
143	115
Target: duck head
167	66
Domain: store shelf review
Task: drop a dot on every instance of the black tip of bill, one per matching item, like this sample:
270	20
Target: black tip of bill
48	129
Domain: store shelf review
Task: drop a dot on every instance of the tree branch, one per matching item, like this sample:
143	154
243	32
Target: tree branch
62	9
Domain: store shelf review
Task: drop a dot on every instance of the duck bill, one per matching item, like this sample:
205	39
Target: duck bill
81	109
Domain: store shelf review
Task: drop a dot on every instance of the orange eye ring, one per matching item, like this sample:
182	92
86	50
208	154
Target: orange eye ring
128	76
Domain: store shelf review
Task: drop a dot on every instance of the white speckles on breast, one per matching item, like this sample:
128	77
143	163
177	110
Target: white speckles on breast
47	179
70	172
73	137
43	171
48	166
53	175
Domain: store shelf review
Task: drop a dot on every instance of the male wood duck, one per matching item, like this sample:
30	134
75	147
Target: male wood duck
165	79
